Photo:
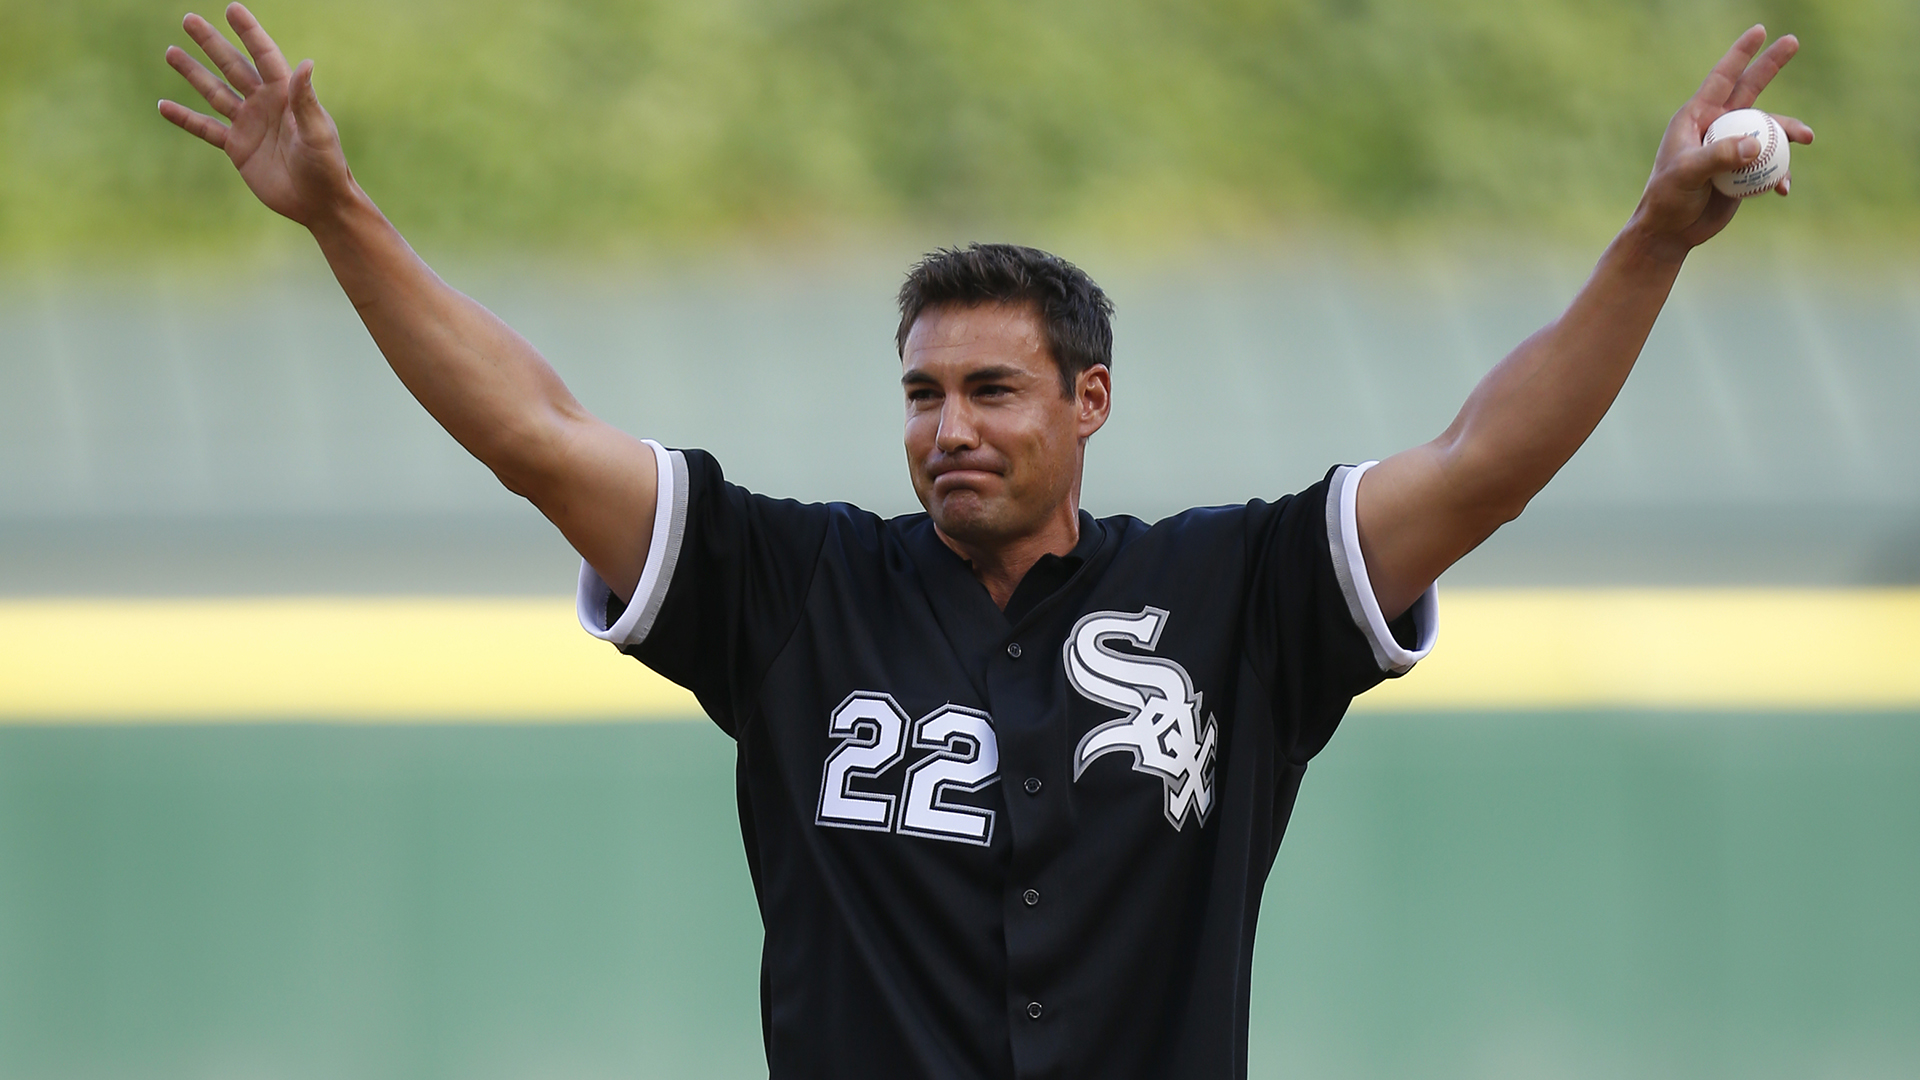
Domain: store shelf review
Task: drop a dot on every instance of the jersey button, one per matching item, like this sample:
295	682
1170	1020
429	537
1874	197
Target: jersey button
1033	1010
1031	896
1013	649
1032	785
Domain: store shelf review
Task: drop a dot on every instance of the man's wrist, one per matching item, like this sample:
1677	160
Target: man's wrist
342	215
1643	248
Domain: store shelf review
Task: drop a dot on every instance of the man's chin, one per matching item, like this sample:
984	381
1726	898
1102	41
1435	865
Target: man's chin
966	517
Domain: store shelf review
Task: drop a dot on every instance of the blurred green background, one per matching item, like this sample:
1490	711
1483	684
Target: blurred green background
1578	896
651	126
1321	222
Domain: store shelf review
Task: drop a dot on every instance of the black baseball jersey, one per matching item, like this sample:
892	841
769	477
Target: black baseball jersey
1028	842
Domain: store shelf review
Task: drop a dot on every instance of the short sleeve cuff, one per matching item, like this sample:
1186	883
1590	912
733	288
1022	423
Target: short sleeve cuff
1350	567
663	552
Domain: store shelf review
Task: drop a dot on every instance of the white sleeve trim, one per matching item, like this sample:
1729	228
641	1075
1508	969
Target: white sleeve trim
663	553
1350	566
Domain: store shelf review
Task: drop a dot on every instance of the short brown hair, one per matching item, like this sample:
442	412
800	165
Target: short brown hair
1074	313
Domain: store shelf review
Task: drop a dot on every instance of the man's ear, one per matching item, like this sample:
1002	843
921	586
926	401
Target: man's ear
1093	394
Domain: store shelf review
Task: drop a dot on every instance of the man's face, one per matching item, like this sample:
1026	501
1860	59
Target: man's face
993	445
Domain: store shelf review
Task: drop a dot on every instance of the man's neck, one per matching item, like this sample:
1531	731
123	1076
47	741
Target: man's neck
1000	567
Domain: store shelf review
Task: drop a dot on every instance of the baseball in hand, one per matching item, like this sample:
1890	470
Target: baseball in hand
1765	171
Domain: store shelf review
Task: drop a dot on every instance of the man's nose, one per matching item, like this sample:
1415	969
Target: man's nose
957	431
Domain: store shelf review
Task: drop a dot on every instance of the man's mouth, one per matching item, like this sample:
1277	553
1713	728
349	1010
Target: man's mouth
962	473
957	480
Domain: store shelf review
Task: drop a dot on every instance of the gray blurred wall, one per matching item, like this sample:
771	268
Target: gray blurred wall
193	435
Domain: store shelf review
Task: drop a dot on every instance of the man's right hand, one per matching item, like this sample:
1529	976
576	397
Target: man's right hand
279	138
484	383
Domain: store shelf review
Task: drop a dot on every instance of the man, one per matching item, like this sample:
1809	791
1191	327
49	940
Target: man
1010	778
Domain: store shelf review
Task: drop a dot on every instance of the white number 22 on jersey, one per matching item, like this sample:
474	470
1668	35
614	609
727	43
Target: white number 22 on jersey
872	730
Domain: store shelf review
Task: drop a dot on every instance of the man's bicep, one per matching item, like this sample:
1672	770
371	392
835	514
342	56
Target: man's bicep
1413	525
726	575
604	497
1315	633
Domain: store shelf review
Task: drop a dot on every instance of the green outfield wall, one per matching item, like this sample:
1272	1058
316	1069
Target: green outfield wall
1572	895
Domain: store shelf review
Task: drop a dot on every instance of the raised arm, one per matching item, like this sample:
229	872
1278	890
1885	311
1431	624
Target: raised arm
1422	509
484	383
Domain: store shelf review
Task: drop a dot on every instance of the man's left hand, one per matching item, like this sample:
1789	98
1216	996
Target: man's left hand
1681	209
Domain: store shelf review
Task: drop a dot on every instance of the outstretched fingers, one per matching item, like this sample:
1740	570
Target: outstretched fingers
1796	131
231	61
306	104
1720	82
266	55
199	124
1746	90
218	94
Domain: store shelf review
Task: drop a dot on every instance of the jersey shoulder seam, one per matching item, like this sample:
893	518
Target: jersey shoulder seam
799	616
1246	639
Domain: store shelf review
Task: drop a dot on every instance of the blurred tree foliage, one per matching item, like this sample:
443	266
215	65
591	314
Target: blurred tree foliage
641	124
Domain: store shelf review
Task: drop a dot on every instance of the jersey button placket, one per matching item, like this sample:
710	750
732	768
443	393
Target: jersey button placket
1032	786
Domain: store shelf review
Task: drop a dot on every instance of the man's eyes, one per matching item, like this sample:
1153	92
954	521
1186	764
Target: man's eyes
990	390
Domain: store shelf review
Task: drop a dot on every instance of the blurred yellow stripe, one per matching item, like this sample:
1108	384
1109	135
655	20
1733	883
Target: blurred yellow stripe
1668	648
425	659
348	658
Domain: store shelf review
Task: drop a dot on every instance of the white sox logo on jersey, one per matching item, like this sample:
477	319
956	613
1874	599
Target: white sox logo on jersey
1161	728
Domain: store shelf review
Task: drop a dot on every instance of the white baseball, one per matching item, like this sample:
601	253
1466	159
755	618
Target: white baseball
1768	169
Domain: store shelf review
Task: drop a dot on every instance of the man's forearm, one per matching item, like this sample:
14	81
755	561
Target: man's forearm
1530	414
478	378
1425	508
485	384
